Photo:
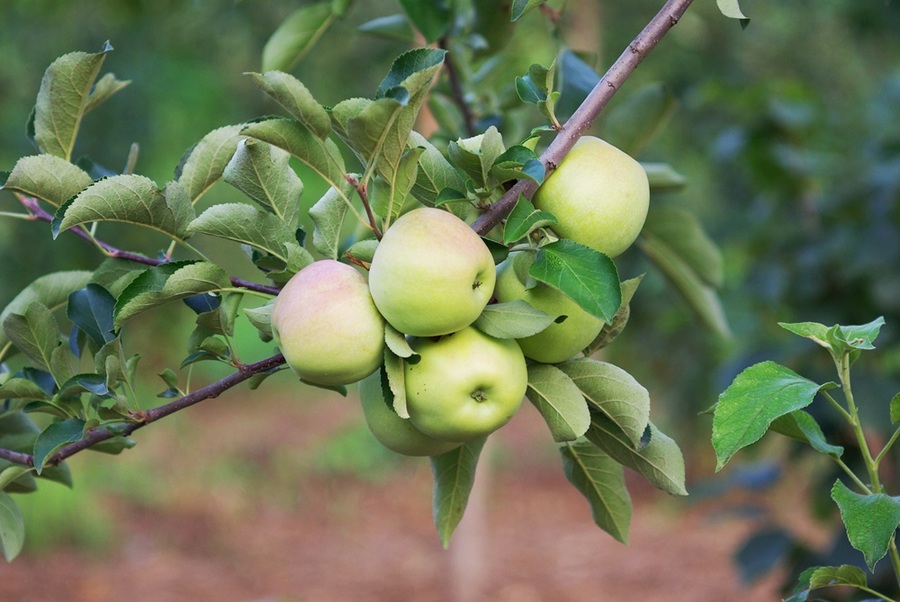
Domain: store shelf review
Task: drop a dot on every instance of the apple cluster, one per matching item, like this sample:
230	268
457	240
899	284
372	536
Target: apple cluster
430	278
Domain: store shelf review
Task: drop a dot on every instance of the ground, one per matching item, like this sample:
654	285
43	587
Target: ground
232	504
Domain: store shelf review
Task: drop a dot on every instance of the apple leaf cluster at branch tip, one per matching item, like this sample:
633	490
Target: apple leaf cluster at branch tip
446	328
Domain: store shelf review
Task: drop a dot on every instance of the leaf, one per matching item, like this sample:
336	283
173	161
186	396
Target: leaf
800	425
62	100
52	290
584	275
844	339
290	93
454	475
244	224
388	198
524	219
430	17
22	388
757	396
296	36
829	576
363	250
520	7
105	88
328	215
613	392
870	520
263	173
662	177
168	282
397	343
396	377
130	199
477	154
261	319
204	163
559	401
93	383
413	70
612	329
811	330
391	27
47	177
659	461
895	409
631	125
680	232
16	478
602	482
35	333
512	320
435	174
12	528
91	309
732	10
54	437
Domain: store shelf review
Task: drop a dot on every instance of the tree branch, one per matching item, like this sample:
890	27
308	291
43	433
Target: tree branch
582	119
96	436
456	87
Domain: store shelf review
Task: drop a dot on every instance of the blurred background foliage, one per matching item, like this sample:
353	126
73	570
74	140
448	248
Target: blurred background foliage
788	133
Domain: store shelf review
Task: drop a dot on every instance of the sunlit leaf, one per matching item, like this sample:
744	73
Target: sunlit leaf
263	173
243	223
204	163
48	178
296	99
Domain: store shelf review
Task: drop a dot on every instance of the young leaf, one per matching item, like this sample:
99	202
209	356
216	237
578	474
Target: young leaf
263	173
757	396
512	320
559	401
587	277
52	290
613	392
54	437
430	17
48	178
454	475
870	520
810	330
130	199
800	425
296	99
62	100
524	219
296	36
91	309
243	223
105	87
844	339
328	215
203	164
12	528
35	333
602	482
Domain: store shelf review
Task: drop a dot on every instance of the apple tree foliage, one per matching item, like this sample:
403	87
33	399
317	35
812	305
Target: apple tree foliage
67	377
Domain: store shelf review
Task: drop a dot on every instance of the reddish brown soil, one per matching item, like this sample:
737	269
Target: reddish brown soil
527	537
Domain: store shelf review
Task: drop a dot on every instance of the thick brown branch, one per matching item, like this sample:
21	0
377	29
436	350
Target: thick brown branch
582	119
96	436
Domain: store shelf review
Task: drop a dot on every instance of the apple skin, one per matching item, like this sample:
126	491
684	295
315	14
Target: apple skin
559	341
599	194
431	273
326	325
391	430
465	385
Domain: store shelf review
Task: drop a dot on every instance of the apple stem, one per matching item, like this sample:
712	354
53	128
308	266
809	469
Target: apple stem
479	396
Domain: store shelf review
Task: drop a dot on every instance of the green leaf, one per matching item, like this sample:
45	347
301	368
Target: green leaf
296	36
524	219
513	320
47	177
168	282
435	174
659	461
62	100
261	319
12	528
91	309
296	99
757	396
613	392
328	215
388	196
105	88
454	475
829	576
113	446
35	333
244	224
587	277
602	482
632	124
732	10
810	330
430	17
391	27
22	388
800	425
612	329
536	87
203	164
263	173
52	290
680	232
559	401
363	250
413	70
16	478
130	199
662	177
396	377
895	409
844	339
53	438
477	154
397	343
520	7
870	520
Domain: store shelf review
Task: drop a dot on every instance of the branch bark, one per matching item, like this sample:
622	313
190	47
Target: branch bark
582	119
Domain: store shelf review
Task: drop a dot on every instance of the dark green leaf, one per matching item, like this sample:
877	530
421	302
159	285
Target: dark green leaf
524	219
516	163
870	520
54	437
602	482
296	36
93	383
263	173
800	425
204	163
12	528
430	17
559	401
114	446
47	177
454	475
91	309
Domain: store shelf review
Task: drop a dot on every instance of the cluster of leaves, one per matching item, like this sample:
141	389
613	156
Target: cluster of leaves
771	397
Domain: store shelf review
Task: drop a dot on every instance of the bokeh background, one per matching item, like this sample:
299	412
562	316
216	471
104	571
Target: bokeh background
788	134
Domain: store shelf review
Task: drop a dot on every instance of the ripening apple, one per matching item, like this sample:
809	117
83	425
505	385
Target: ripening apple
599	194
465	385
431	273
559	341
326	325
392	431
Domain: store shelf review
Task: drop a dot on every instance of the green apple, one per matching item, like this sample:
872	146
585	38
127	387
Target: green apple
465	385
559	341
599	194
431	273
389	429
326	325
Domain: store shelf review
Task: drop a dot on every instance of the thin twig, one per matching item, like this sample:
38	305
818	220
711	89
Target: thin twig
459	96
582	119
360	188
